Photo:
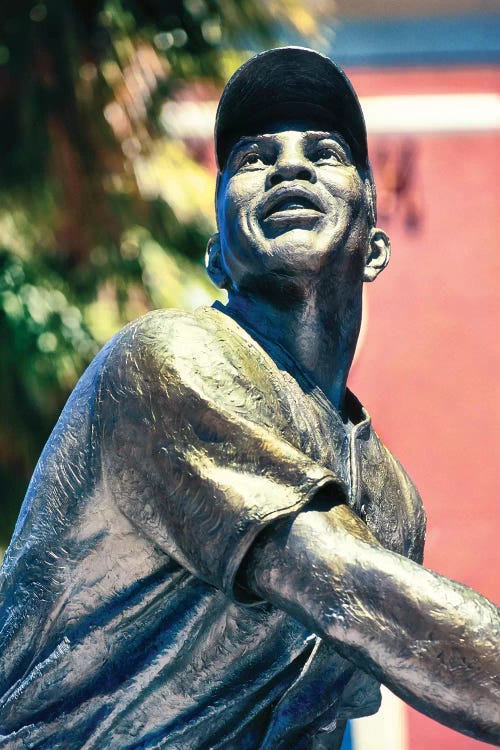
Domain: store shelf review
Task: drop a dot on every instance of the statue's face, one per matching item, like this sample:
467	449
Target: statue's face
291	202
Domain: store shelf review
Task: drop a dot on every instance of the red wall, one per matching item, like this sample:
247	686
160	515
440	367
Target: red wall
429	366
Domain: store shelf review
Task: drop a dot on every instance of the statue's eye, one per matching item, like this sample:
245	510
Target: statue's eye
328	154
250	159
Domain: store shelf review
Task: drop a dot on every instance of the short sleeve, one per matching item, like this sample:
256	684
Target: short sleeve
194	443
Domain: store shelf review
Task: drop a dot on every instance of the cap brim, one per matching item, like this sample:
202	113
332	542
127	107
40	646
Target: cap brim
289	83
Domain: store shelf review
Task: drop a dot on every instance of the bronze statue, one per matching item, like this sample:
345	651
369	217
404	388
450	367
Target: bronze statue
216	549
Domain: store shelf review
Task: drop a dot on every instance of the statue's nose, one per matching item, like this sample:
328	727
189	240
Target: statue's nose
292	164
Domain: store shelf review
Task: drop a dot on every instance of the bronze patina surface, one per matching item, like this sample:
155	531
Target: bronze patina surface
216	549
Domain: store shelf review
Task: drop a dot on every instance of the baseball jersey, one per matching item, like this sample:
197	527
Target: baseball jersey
123	624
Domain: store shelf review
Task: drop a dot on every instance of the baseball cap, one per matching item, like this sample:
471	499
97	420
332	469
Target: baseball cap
289	83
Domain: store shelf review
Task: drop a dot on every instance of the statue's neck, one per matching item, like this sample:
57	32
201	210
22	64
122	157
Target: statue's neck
319	334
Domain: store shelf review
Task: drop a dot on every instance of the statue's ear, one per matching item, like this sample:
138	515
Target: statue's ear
378	255
215	264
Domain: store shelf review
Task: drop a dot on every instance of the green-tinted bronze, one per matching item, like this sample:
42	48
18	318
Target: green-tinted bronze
216	549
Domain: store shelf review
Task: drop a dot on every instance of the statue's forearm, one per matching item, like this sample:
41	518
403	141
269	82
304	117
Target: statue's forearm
433	641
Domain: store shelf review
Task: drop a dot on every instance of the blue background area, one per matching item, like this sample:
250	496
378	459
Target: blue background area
347	743
446	39
468	39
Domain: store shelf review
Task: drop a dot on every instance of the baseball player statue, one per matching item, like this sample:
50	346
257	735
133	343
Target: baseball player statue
216	549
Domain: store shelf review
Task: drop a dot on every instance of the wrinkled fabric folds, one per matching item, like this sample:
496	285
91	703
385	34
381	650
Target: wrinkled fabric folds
121	623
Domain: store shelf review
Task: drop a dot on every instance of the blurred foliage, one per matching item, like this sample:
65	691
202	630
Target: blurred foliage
103	215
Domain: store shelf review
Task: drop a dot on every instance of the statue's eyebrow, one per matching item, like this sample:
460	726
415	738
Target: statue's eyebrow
327	135
310	135
247	140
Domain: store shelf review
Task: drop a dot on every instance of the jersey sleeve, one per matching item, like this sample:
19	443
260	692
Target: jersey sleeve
193	443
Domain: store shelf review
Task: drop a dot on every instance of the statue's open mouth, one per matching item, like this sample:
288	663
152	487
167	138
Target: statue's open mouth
290	202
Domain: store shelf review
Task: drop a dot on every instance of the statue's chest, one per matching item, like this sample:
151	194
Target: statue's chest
378	488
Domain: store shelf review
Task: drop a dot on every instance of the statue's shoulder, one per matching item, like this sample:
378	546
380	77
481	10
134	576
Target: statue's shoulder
204	346
157	327
168	326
